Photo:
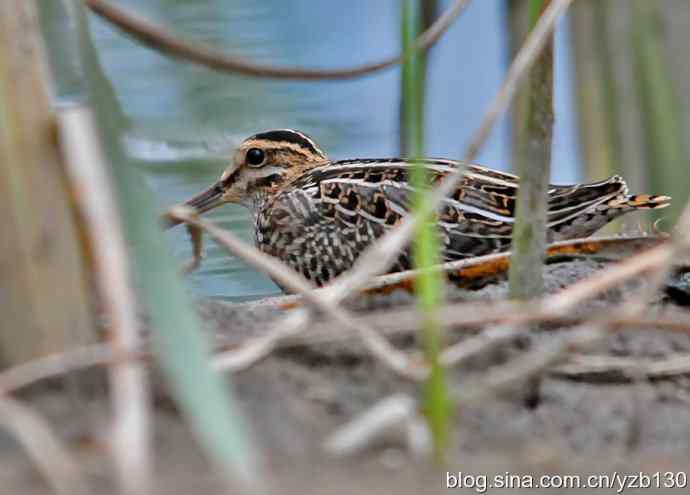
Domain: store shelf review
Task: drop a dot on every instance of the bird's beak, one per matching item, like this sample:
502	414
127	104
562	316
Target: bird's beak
202	202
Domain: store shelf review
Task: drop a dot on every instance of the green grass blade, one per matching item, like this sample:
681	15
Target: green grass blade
533	152
425	248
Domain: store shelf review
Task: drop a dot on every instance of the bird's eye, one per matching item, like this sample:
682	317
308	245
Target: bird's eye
255	157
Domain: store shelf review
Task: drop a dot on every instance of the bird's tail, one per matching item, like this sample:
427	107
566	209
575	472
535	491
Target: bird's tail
640	202
579	211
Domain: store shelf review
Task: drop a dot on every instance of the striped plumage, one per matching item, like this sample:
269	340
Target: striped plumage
318	215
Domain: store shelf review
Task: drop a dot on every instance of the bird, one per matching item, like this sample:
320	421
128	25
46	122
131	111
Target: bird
317	215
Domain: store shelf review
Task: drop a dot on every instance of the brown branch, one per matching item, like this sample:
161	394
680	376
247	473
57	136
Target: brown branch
477	267
175	46
529	365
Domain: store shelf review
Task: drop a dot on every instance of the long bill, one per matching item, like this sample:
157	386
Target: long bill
202	202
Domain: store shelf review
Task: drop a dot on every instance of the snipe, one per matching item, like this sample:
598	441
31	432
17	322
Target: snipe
318	215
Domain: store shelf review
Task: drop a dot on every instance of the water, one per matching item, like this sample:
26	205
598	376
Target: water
186	119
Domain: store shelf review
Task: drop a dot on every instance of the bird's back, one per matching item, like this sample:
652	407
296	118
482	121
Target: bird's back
321	221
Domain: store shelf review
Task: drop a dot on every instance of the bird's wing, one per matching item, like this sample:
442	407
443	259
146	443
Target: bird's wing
477	218
379	190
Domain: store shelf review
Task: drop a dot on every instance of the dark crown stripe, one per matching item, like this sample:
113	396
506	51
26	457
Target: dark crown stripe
290	136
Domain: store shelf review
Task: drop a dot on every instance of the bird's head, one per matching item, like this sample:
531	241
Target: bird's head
260	166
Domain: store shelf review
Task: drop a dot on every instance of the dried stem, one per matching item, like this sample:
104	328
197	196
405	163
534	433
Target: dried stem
570	297
627	368
527	366
43	446
86	169
52	365
175	46
259	348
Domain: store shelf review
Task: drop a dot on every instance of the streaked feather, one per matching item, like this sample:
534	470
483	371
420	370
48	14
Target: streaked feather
358	200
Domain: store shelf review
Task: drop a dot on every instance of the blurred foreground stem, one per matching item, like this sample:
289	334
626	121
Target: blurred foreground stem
181	345
533	156
39	248
425	247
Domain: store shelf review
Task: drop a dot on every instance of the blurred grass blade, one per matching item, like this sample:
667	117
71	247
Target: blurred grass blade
632	106
667	153
425	246
610	123
533	152
180	341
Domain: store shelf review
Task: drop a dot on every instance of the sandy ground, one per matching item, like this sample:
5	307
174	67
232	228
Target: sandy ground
598	423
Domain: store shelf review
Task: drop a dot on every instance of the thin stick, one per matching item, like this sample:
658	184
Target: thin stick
611	244
43	446
379	346
527	366
259	348
391	413
45	367
581	367
455	355
660	256
86	168
565	247
175	46
606	279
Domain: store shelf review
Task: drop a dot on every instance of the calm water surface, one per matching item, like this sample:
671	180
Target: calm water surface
186	119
